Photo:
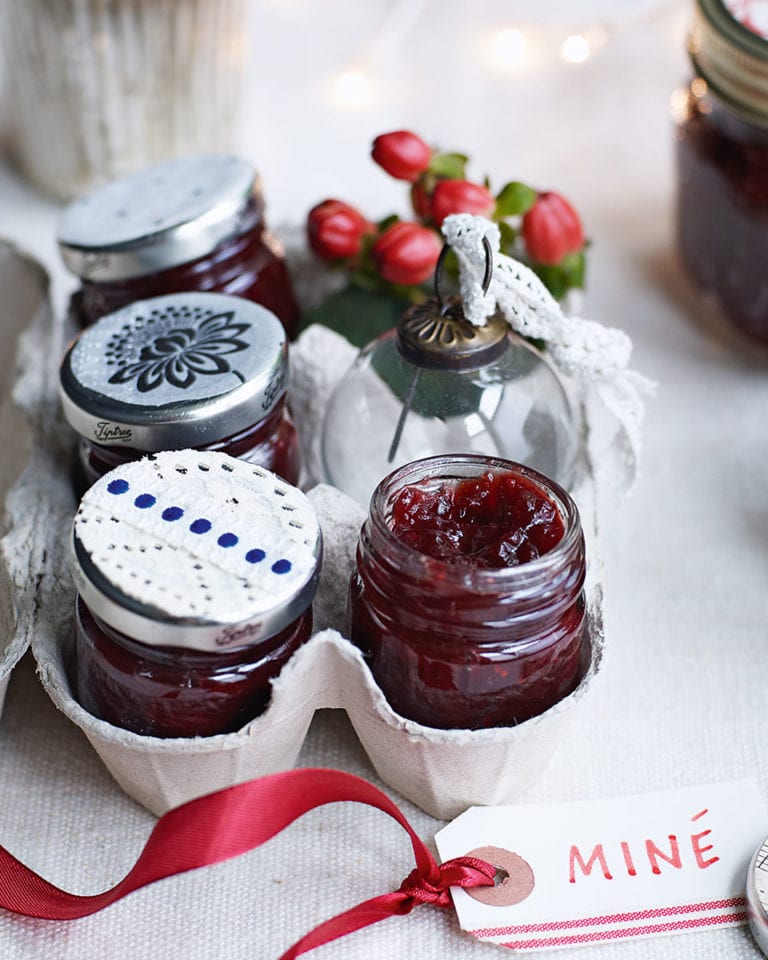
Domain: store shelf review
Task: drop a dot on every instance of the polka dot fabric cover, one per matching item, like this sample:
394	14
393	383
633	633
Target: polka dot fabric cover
199	536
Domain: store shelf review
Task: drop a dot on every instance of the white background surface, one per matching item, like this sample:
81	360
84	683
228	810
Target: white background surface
682	697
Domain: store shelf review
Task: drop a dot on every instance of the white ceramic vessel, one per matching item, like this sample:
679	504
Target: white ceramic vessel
98	88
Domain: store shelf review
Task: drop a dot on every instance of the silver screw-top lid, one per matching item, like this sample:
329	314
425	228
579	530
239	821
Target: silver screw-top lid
732	57
177	371
196	550
159	218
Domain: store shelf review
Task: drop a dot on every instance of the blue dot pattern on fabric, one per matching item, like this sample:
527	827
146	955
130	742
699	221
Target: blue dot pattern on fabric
202	525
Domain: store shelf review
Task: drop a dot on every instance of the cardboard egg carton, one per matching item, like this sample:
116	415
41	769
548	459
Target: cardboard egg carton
34	513
442	771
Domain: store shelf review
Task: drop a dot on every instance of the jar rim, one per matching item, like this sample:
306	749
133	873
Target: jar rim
466	466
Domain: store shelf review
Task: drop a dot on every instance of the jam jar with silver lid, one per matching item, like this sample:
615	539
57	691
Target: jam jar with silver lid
194	223
722	159
195	575
200	370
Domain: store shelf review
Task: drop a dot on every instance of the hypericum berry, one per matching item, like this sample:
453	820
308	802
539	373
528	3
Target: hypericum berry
406	253
335	230
552	229
460	196
402	154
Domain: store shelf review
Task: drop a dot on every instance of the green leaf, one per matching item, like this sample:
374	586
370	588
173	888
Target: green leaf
514	199
387	222
450	166
574	269
359	315
553	278
508	237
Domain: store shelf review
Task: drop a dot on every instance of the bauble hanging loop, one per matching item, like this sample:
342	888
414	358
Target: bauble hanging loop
437	335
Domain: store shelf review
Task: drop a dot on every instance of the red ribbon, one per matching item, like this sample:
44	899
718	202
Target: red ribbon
232	821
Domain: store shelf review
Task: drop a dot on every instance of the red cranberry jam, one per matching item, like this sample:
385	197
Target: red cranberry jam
722	155
195	574
468	595
194	223
496	520
171	692
198	370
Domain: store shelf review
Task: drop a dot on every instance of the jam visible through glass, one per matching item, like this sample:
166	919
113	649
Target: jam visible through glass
245	265
171	692
271	443
468	600
493	521
723	211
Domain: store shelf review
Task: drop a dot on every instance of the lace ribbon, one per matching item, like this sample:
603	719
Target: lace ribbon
589	352
237	819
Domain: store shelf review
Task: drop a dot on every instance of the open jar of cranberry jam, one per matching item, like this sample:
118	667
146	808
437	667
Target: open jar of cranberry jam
194	223
198	370
722	153
468	600
195	575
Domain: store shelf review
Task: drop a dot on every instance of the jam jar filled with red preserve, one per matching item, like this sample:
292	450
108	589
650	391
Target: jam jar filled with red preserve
198	370
194	223
195	575
468	600
722	154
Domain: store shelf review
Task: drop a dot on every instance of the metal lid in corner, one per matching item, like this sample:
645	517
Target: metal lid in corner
160	217
732	58
177	371
196	550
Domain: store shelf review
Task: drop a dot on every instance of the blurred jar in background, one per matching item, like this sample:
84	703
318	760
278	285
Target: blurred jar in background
95	89
723	162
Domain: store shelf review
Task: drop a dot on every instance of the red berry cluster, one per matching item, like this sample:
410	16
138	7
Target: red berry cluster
541	228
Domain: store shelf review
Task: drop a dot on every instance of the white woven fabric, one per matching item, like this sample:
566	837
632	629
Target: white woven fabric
682	699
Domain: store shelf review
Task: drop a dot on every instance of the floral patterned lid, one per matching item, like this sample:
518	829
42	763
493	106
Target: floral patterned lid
175	371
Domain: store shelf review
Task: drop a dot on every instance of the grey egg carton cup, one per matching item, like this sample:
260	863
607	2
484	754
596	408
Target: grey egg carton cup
442	771
34	510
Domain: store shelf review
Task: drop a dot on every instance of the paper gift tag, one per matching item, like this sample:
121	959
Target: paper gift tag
590	871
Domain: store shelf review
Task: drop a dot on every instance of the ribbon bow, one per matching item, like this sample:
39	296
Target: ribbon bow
237	819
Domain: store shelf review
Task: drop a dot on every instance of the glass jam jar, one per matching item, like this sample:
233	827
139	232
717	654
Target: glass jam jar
722	158
200	370
468	599
195	575
194	223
